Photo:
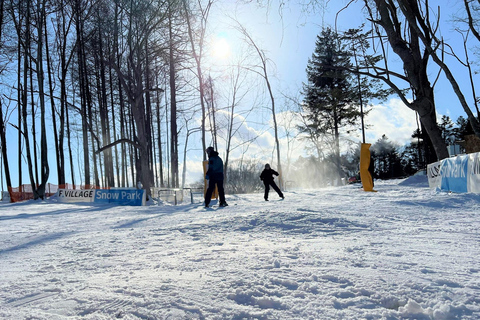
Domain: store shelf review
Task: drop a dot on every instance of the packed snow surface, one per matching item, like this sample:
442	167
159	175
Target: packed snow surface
404	252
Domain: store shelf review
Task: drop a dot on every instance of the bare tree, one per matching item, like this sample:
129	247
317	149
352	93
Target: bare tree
197	41
419	20
27	47
3	138
262	70
289	119
405	38
237	90
472	8
140	29
79	15
189	132
101	41
45	170
172	62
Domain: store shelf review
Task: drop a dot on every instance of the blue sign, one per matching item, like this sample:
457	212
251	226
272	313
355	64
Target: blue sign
454	174
125	197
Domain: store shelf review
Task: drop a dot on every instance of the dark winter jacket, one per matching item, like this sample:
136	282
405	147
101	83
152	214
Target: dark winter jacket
215	167
267	175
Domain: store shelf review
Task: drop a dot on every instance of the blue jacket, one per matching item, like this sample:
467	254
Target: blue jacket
215	167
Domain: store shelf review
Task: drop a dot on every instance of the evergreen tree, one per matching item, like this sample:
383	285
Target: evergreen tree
412	158
335	93
387	160
330	92
462	129
446	127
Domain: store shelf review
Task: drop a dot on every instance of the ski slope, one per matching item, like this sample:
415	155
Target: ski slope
404	252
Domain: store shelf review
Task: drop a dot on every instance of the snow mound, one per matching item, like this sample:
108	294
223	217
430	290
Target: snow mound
420	181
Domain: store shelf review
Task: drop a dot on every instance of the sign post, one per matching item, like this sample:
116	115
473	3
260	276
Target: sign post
365	174
205	182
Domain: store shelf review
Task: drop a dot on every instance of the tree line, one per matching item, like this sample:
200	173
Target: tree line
99	66
117	83
391	160
122	79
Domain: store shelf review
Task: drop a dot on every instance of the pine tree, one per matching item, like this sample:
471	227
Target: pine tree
330	92
462	128
387	159
446	127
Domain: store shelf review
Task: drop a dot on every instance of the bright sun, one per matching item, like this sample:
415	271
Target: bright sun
220	48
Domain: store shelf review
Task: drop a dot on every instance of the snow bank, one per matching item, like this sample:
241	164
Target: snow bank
419	181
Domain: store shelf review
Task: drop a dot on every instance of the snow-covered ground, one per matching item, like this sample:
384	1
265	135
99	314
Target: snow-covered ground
404	252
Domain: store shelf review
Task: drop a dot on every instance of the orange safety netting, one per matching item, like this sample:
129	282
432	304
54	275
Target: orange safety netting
25	192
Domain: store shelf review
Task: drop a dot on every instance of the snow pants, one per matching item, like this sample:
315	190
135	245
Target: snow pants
274	186
211	186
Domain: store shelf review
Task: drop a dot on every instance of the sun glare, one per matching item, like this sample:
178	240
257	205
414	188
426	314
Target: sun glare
220	48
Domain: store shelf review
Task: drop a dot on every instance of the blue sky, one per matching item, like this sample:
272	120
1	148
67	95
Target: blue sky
289	41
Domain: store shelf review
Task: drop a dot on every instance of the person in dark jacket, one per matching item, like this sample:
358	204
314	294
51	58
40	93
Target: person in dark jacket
267	178
214	176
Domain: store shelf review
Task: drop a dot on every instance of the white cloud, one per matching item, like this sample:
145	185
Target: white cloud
393	119
194	170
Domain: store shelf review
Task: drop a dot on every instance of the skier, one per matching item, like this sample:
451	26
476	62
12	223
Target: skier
214	176
267	178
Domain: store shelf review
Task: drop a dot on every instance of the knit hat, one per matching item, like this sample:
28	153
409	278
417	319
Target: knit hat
210	150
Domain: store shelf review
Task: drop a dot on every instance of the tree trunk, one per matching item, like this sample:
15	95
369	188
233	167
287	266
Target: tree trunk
148	111
116	174
123	124
159	134
33	112
25	101
44	167
198	59
4	142
62	41
19	109
173	111
274	117
2	125
83	96
103	108
56	127
69	144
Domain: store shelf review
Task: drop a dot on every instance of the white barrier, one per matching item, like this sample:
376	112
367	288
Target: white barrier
474	172
433	173
456	174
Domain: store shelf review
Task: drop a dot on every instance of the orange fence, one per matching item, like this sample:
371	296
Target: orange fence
25	192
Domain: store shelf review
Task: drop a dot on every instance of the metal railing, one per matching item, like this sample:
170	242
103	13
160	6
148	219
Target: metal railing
176	195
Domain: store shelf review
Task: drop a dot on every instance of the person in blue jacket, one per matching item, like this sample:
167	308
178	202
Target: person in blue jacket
267	177
214	176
